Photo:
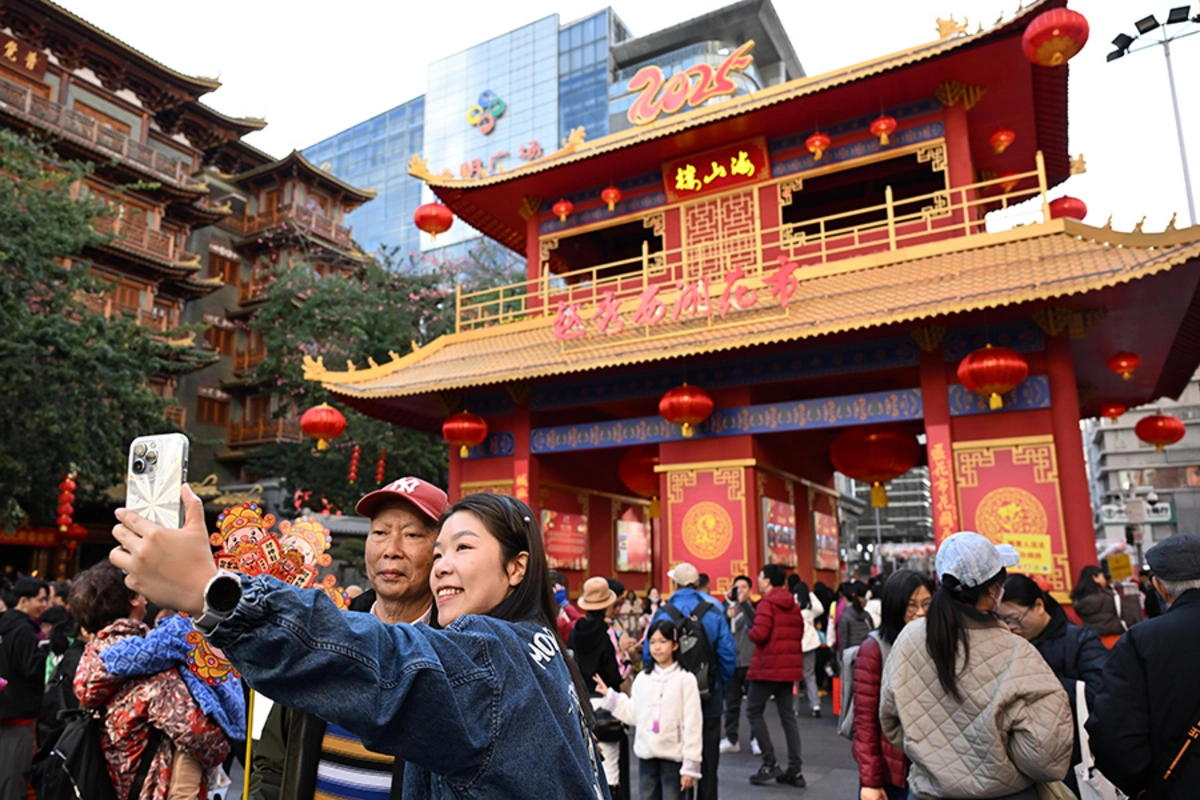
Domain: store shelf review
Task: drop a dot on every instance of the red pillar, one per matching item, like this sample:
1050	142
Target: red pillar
1068	450
454	490
939	444
533	259
525	472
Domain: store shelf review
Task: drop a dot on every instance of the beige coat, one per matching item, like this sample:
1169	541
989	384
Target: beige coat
1012	729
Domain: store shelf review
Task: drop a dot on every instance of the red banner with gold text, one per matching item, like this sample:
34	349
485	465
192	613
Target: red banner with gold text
707	521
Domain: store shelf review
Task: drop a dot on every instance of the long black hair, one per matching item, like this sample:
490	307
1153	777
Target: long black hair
897	591
945	626
514	526
853	591
1021	590
1087	582
800	590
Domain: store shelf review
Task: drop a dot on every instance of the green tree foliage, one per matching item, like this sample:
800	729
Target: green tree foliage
75	388
387	306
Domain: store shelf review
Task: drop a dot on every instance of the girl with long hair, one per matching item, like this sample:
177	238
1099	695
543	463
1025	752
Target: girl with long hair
881	767
1101	607
473	708
959	675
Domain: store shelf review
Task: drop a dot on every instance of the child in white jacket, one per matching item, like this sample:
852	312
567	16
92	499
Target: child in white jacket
665	707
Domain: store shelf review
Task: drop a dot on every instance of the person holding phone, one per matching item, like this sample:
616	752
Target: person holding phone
489	704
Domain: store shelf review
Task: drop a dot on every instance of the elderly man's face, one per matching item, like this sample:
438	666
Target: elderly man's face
399	553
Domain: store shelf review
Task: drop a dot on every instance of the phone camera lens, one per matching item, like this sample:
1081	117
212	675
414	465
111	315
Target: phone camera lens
139	450
139	466
152	456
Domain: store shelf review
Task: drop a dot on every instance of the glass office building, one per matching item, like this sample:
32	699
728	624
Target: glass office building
515	97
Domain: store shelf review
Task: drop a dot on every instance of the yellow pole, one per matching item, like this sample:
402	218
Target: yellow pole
249	744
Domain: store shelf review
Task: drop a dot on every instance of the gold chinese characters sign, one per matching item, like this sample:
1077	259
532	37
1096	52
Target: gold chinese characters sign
721	169
21	57
1008	491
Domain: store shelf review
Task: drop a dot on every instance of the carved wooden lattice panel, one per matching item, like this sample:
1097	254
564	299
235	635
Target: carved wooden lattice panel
721	234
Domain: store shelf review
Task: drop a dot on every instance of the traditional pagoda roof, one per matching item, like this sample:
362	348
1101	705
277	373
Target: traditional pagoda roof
294	163
492	204
1062	260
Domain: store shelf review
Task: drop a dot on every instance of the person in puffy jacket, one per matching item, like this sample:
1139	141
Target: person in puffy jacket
881	767
854	622
777	663
1101	607
810	609
596	657
975	709
1074	653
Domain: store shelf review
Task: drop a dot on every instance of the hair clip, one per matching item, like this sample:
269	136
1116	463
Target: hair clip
527	519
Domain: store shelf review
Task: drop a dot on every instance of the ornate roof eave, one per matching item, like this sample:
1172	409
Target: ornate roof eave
296	163
297	233
1185	244
171	270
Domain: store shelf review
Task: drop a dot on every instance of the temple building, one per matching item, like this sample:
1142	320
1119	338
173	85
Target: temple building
727	299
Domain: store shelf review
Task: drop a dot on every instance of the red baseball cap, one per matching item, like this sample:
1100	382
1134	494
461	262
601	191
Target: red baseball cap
429	500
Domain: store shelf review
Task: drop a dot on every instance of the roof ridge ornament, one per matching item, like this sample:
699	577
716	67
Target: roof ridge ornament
947	28
1078	165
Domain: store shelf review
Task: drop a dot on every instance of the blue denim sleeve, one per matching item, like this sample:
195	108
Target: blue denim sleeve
163	648
405	690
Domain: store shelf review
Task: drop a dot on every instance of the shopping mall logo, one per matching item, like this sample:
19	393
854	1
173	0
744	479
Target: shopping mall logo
486	111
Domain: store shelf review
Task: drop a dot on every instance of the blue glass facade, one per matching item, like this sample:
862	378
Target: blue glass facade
583	72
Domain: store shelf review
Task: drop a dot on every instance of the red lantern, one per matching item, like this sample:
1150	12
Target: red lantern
1069	207
1160	430
323	422
1001	139
636	471
817	144
687	406
355	456
63	523
381	466
993	371
875	456
611	195
66	510
1112	410
883	127
75	532
563	209
66	497
1008	181
433	218
1124	364
67	485
1053	37
465	430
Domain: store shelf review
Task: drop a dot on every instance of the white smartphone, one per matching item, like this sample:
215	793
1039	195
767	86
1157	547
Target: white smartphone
157	471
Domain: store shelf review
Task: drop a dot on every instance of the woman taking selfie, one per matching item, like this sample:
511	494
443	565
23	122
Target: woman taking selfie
958	675
486	707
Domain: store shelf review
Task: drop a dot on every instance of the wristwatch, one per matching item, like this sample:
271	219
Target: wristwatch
221	596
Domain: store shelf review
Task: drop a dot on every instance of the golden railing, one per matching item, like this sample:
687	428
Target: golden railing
891	225
263	431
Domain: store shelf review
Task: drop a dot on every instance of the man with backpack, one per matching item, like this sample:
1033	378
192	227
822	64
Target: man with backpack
777	664
706	649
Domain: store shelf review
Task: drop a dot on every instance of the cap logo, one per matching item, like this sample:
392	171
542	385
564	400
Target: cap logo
406	485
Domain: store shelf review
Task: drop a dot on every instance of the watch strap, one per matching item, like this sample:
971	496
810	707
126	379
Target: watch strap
207	622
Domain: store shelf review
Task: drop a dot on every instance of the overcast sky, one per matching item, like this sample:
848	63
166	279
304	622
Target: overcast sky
315	68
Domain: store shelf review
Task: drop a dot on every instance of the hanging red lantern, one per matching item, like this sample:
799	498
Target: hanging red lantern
1160	430
611	195
67	485
1001	139
1112	410
63	523
687	406
465	430
1008	181
323	423
1124	364
562	209
75	532
992	372
381	466
433	218
355	455
883	127
875	455
636	471
1054	37
817	144
66	510
1069	207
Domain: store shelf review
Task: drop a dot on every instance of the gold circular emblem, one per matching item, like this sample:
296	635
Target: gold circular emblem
1010	511
707	530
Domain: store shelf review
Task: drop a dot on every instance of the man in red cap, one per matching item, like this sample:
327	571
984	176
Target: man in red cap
301	756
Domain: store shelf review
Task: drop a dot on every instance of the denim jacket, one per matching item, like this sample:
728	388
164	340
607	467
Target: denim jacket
482	709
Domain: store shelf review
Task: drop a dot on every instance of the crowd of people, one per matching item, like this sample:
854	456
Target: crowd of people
466	669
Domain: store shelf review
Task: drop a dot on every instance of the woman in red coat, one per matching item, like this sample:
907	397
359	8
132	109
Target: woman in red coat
881	767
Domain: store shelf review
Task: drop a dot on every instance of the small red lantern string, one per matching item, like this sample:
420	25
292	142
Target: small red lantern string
1124	364
66	502
355	455
381	466
1112	410
883	127
817	144
1001	140
611	196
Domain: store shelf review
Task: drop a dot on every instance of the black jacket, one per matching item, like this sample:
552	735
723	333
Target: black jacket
1149	701
594	653
22	664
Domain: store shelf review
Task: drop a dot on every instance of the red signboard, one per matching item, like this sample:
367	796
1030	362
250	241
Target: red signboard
566	540
706	522
716	170
633	546
779	532
1008	492
20	56
30	537
941	478
826	552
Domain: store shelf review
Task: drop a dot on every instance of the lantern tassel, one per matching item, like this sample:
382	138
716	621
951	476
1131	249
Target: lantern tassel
463	452
1127	375
655	508
611	205
322	444
995	401
883	140
688	430
878	496
1160	448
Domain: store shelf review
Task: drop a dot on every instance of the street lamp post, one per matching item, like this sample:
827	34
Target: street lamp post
1144	26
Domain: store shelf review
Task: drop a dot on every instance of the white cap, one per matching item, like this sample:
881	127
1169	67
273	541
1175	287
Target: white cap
684	574
972	559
